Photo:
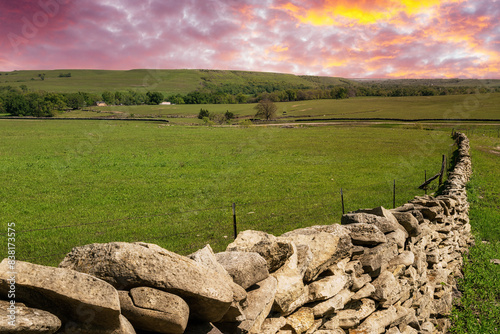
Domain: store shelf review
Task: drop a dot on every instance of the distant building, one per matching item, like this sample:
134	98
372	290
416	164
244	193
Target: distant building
165	103
101	104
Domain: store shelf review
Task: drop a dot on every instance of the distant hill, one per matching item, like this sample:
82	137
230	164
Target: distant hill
166	81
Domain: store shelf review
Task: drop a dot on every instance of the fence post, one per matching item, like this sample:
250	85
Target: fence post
342	199
443	167
394	195
425	179
234	221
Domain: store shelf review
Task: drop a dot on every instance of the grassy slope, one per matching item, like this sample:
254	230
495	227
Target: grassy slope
181	181
482	106
165	81
480	310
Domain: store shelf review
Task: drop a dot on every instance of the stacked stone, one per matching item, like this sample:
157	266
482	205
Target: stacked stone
381	271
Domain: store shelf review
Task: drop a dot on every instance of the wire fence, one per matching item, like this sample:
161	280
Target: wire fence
186	231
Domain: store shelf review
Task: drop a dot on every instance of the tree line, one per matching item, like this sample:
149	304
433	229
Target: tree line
19	101
22	102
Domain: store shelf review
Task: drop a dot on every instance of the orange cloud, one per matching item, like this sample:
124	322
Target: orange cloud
331	12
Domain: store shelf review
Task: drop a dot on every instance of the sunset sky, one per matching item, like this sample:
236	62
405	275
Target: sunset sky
346	38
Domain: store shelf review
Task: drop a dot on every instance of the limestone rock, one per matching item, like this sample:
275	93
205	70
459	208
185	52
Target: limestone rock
367	291
128	265
71	296
409	222
378	321
245	268
154	310
333	304
365	234
327	287
301	320
376	259
380	217
274	250
406	258
272	325
27	320
206	257
387	288
291	292
260	301
355	312
328	244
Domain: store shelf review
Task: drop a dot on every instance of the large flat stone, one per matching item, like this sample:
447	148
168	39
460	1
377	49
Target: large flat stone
128	265
245	268
26	320
154	310
77	299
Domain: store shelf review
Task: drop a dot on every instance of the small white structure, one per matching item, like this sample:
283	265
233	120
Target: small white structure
165	103
101	104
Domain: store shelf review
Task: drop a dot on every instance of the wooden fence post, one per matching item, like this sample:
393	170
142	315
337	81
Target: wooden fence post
342	199
234	221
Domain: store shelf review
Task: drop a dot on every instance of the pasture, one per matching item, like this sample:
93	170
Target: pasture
68	183
472	106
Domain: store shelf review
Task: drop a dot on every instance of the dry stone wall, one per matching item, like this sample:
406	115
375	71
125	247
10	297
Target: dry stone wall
380	271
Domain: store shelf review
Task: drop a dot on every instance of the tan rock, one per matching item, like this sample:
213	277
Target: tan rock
18	318
365	234
154	310
274	250
245	268
260	302
128	265
78	299
301	320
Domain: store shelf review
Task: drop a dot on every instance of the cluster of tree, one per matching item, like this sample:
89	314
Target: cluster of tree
65	75
219	118
22	102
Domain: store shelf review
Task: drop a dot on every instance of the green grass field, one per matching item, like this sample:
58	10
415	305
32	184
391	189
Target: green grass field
473	106
480	303
68	183
166	81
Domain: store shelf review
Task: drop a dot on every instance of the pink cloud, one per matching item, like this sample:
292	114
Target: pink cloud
449	39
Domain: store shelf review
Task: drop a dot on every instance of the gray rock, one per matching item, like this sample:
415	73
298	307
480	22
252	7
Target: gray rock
376	259
327	287
274	250
26	320
406	258
154	310
398	237
128	265
78	300
387	288
245	268
365	234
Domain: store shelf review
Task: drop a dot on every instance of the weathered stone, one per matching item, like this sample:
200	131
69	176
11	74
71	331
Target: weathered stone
365	234
272	325
291	292
333	304
154	310
409	222
71	296
398	237
26	320
355	312
387	288
274	250
245	268
128	265
328	245
206	257
377	322
301	320
359	282
327	287
367	291
125	327
376	259
383	219
260	301
406	258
